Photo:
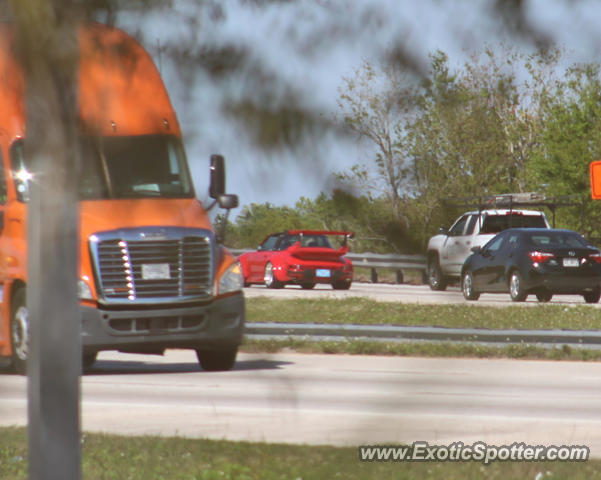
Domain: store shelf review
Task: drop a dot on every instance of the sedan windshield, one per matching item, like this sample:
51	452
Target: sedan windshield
121	167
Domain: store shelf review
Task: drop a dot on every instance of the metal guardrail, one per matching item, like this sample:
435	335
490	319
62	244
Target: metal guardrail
396	262
390	333
373	261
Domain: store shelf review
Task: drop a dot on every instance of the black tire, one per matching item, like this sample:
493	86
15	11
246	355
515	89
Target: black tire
307	286
342	285
467	286
217	360
516	287
269	277
592	297
436	279
19	332
88	360
544	296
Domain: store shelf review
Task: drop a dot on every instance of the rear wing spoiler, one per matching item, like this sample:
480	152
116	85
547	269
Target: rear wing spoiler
343	233
321	232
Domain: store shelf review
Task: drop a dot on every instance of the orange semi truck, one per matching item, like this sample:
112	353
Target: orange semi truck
152	273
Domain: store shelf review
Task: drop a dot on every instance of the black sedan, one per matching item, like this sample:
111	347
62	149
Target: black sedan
542	261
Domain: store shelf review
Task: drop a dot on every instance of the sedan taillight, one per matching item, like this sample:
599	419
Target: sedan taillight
596	257
540	257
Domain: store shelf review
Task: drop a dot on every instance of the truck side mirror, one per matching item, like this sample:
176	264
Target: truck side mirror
217	192
217	184
227	201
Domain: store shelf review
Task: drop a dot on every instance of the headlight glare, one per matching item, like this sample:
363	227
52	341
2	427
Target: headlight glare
231	280
83	290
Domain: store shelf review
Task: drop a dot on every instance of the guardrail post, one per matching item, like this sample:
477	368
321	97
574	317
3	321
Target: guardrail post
374	276
399	276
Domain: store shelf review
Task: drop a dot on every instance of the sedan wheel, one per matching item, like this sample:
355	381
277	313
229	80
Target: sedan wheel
269	277
592	297
516	289
544	296
467	286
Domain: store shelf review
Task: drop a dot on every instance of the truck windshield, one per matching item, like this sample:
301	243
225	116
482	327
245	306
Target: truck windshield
120	167
498	223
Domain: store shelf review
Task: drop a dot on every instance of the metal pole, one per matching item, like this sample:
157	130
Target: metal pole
47	42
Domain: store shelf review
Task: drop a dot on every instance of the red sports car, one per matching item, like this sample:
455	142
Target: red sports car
299	257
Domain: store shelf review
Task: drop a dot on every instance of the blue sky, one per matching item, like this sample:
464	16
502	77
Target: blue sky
348	33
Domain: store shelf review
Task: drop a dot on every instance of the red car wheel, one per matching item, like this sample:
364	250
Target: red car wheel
269	277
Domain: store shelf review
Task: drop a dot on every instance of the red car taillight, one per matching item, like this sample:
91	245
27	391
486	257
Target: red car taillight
540	257
596	257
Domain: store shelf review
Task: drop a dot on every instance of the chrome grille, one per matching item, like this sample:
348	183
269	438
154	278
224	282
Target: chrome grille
143	265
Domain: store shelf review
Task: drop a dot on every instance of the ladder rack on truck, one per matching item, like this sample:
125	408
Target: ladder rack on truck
512	201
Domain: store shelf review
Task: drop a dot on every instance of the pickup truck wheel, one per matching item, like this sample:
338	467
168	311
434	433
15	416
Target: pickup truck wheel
467	287
217	360
516	288
19	332
592	297
269	277
436	279
307	286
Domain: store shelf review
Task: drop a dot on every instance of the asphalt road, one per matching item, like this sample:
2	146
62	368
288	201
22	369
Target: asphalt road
337	399
402	293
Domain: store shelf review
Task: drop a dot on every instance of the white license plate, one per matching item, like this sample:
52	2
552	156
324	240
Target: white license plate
322	272
155	271
571	262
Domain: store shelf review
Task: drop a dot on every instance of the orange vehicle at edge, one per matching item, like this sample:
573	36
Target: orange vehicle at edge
152	271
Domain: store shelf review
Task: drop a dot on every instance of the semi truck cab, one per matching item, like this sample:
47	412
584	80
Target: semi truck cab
153	274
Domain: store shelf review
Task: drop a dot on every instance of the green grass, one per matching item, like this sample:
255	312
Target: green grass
422	349
109	457
363	311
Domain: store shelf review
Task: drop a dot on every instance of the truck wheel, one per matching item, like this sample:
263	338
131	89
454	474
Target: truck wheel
467	287
516	288
19	332
88	360
269	277
307	286
436	279
217	360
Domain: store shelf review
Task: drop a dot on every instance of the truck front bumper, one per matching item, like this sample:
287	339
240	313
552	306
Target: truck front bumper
215	325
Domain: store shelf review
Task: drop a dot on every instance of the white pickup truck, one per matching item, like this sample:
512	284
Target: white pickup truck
448	250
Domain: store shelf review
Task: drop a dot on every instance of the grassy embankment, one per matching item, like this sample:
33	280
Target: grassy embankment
107	457
363	311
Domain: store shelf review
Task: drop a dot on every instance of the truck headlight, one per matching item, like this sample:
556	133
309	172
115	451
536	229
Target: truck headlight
231	280
83	290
